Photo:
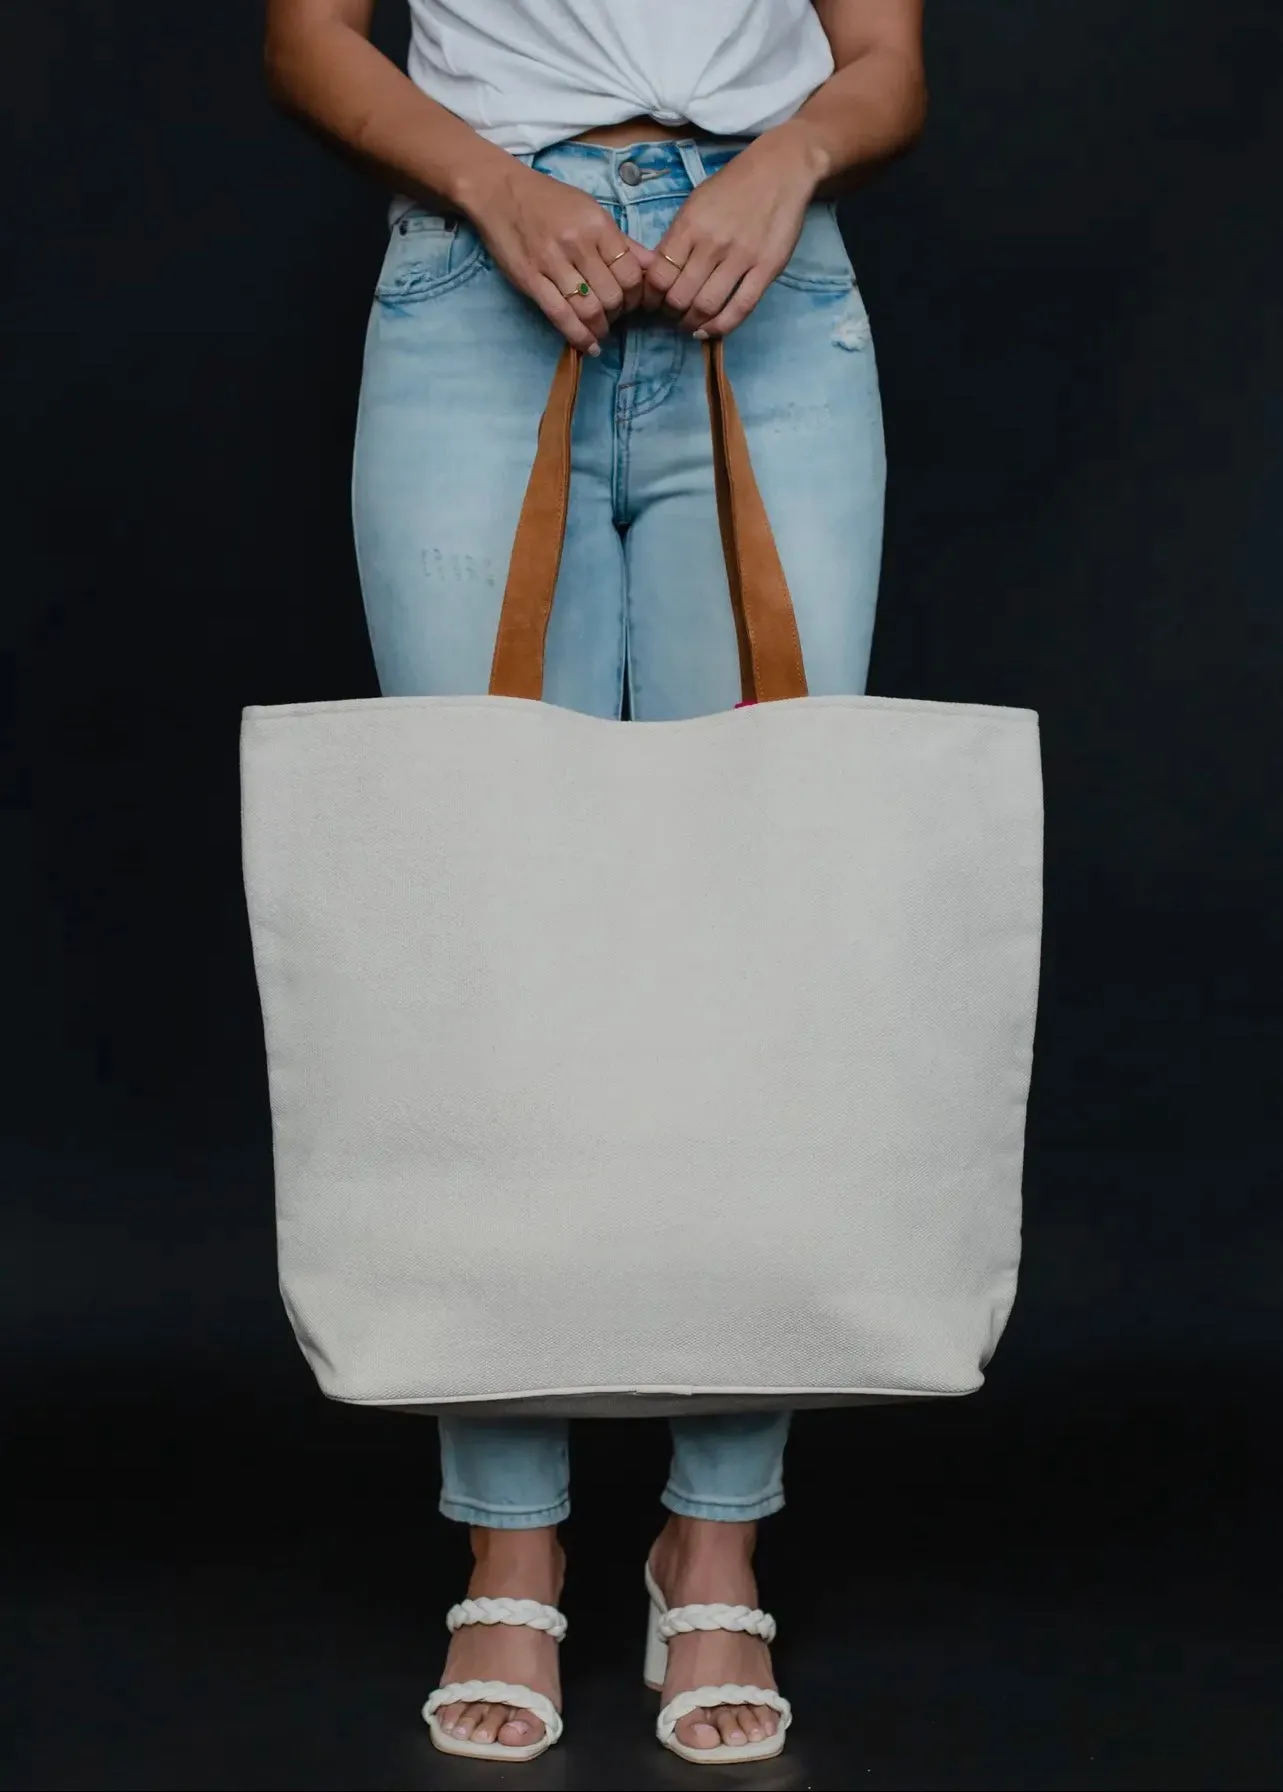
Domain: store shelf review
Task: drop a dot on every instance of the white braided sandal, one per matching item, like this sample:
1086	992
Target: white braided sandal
676	1620
497	1692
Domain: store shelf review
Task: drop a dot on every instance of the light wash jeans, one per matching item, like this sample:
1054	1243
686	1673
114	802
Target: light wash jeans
457	370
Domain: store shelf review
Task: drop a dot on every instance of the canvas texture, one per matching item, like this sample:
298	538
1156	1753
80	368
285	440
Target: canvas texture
645	1067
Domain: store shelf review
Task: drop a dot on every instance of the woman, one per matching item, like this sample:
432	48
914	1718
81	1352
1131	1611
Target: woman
634	177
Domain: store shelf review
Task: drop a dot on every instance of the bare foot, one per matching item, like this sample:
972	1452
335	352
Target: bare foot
507	1565
699	1561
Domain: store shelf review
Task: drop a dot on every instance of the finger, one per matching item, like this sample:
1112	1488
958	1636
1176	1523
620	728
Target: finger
713	297
547	295
606	288
630	276
586	306
742	301
610	240
625	261
661	276
568	277
700	266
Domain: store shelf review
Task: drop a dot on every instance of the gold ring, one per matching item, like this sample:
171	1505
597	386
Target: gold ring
581	291
676	264
615	258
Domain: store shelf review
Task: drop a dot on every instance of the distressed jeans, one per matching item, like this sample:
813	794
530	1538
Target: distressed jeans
457	369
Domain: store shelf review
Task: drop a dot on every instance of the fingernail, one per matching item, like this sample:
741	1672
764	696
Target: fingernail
594	348
701	335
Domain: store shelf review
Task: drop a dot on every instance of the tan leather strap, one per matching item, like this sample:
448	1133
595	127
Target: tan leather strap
726	524
770	653
517	667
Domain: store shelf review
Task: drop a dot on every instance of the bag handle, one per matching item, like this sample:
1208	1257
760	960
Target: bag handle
771	665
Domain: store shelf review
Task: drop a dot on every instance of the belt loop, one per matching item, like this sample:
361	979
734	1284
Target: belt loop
692	162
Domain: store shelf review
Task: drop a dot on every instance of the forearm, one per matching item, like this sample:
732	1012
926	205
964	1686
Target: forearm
863	117
333	77
873	106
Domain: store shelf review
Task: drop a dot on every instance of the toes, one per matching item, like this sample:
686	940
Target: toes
696	1731
746	1722
733	1725
468	1723
731	1730
488	1722
520	1730
507	1724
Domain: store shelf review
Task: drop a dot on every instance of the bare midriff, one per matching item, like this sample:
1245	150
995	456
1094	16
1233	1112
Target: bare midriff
628	135
640	130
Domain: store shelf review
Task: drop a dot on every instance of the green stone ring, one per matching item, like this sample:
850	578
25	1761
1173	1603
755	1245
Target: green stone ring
579	292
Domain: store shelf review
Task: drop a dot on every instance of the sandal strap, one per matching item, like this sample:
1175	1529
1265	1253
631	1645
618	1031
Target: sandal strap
496	1692
508	1611
679	1620
705	1696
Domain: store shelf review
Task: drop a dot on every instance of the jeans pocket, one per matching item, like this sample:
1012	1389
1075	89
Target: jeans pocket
427	255
820	262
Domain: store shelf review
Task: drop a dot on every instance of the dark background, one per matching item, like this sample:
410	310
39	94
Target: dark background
214	1579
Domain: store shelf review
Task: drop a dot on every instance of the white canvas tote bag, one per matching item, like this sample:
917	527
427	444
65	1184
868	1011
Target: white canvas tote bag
645	1067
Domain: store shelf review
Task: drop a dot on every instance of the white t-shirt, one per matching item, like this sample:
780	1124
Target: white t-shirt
527	73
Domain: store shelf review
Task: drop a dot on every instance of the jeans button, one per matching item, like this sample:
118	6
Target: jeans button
630	174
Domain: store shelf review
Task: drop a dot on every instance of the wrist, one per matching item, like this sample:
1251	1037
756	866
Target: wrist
804	145
476	182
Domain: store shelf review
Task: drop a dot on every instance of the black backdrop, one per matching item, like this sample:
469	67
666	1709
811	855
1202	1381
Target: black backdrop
1074	283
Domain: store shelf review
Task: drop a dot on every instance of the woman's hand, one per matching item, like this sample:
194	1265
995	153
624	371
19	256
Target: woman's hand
549	238
546	236
735	234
